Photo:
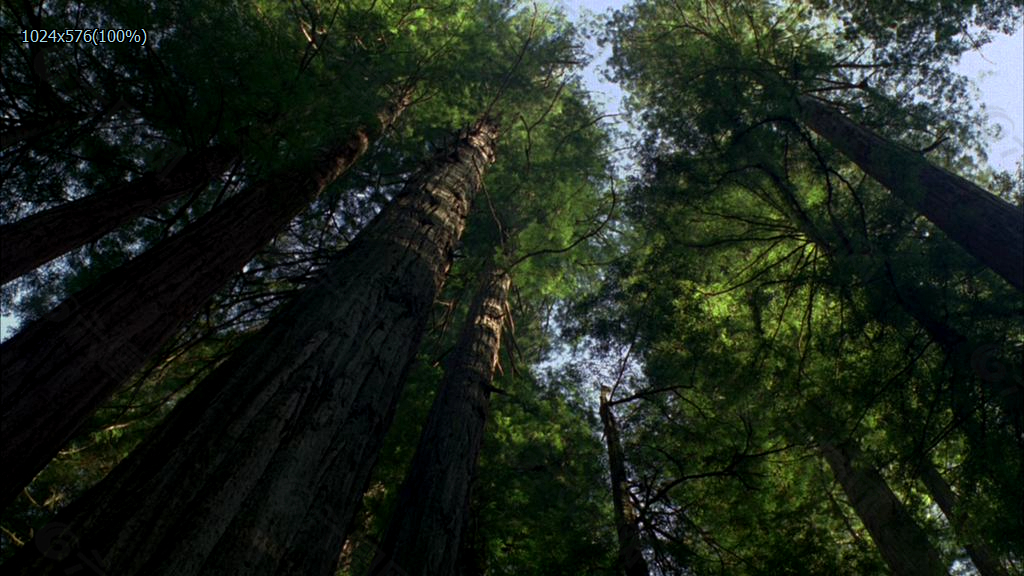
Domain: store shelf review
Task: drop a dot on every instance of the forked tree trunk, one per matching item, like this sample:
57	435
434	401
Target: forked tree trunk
57	370
260	469
424	532
989	228
902	543
631	558
984	560
41	237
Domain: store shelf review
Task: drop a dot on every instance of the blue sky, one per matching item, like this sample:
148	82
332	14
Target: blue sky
998	70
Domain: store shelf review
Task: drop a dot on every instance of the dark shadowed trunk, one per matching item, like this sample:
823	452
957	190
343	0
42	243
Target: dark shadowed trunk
261	468
631	558
984	560
41	237
472	559
57	370
902	543
989	228
423	534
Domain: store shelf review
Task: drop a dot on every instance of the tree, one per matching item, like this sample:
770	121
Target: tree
275	447
781	68
631	558
60	368
901	541
984	560
424	532
43	236
985	225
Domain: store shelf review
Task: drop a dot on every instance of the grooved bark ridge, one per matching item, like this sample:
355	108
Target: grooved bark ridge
260	469
424	533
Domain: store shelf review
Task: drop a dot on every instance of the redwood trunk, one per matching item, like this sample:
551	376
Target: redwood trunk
60	368
989	228
983	558
903	544
261	468
41	237
627	527
424	534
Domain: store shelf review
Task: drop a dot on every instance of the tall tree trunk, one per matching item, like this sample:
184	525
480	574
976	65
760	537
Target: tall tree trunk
60	368
984	560
631	558
41	237
903	544
989	228
261	468
423	534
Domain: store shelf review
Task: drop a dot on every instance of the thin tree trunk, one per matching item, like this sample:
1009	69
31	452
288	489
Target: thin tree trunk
57	370
903	544
984	560
261	469
41	237
989	228
631	558
423	534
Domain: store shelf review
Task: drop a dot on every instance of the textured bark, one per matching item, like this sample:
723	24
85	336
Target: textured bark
903	544
261	468
57	370
989	228
424	533
41	237
984	560
631	558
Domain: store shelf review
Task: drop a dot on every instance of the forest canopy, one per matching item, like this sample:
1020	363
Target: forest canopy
381	287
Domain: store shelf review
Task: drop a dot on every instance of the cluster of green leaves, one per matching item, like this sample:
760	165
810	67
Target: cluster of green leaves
774	297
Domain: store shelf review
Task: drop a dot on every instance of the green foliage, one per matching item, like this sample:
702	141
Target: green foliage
110	435
541	505
748	295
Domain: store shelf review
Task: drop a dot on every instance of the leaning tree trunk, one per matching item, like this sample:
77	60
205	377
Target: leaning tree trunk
41	237
984	560
63	366
903	544
423	534
631	558
989	228
261	468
